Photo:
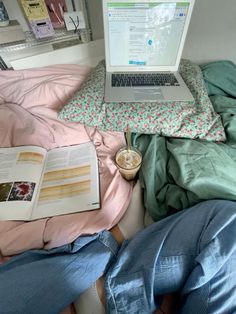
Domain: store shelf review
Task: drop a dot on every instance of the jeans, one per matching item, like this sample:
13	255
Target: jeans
46	282
193	252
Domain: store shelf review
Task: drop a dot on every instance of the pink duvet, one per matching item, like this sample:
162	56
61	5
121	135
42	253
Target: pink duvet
29	102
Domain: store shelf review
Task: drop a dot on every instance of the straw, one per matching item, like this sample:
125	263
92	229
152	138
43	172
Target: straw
128	138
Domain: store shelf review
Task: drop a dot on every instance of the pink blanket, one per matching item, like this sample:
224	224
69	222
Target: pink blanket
29	102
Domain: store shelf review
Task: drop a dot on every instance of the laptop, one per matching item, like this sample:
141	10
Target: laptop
144	40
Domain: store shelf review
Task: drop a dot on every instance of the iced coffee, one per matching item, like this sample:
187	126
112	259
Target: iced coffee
128	161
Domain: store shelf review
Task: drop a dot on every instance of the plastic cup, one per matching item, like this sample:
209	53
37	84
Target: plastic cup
128	162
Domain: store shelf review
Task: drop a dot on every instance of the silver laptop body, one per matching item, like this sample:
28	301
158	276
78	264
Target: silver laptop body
144	40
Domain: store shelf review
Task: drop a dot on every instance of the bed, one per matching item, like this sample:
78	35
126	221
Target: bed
191	147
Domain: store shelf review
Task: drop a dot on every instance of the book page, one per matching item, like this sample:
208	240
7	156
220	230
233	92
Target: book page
70	182
20	174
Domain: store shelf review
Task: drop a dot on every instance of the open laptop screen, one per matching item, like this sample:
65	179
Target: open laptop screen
145	33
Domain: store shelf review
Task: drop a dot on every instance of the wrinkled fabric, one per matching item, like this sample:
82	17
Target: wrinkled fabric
178	173
41	282
220	80
168	118
192	252
29	104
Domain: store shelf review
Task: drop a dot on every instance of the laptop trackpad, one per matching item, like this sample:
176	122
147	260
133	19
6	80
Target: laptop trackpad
150	94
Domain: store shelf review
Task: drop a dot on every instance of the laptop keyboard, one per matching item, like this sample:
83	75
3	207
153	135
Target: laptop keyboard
146	79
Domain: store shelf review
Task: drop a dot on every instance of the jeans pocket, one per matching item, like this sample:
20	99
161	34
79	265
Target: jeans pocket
128	294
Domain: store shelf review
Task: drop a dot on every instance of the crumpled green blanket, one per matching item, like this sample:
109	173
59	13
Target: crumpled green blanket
178	173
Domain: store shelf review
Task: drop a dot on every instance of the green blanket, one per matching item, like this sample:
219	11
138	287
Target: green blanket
178	173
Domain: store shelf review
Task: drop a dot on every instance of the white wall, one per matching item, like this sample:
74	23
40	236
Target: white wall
212	30
211	35
95	12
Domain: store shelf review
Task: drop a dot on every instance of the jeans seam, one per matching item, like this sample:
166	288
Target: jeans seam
112	297
208	297
111	248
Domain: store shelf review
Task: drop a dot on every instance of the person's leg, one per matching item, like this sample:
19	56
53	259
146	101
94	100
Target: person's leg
42	282
93	299
218	296
192	251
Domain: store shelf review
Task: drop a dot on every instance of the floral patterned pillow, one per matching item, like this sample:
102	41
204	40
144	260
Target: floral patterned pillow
172	119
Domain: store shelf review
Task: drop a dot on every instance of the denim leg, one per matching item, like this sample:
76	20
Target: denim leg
218	296
192	252
41	282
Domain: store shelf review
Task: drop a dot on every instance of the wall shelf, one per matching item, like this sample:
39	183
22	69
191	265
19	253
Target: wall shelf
32	46
88	54
31	41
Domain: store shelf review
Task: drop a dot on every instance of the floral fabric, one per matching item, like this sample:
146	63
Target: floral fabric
173	119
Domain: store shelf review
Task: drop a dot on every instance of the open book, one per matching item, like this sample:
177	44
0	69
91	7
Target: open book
36	183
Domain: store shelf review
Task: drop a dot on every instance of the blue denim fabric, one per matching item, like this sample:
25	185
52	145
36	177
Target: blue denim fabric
193	252
45	282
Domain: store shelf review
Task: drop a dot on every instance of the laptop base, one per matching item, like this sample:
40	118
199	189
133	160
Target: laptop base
147	93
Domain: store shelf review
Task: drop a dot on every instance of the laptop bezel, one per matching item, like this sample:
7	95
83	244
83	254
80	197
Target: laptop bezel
171	68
